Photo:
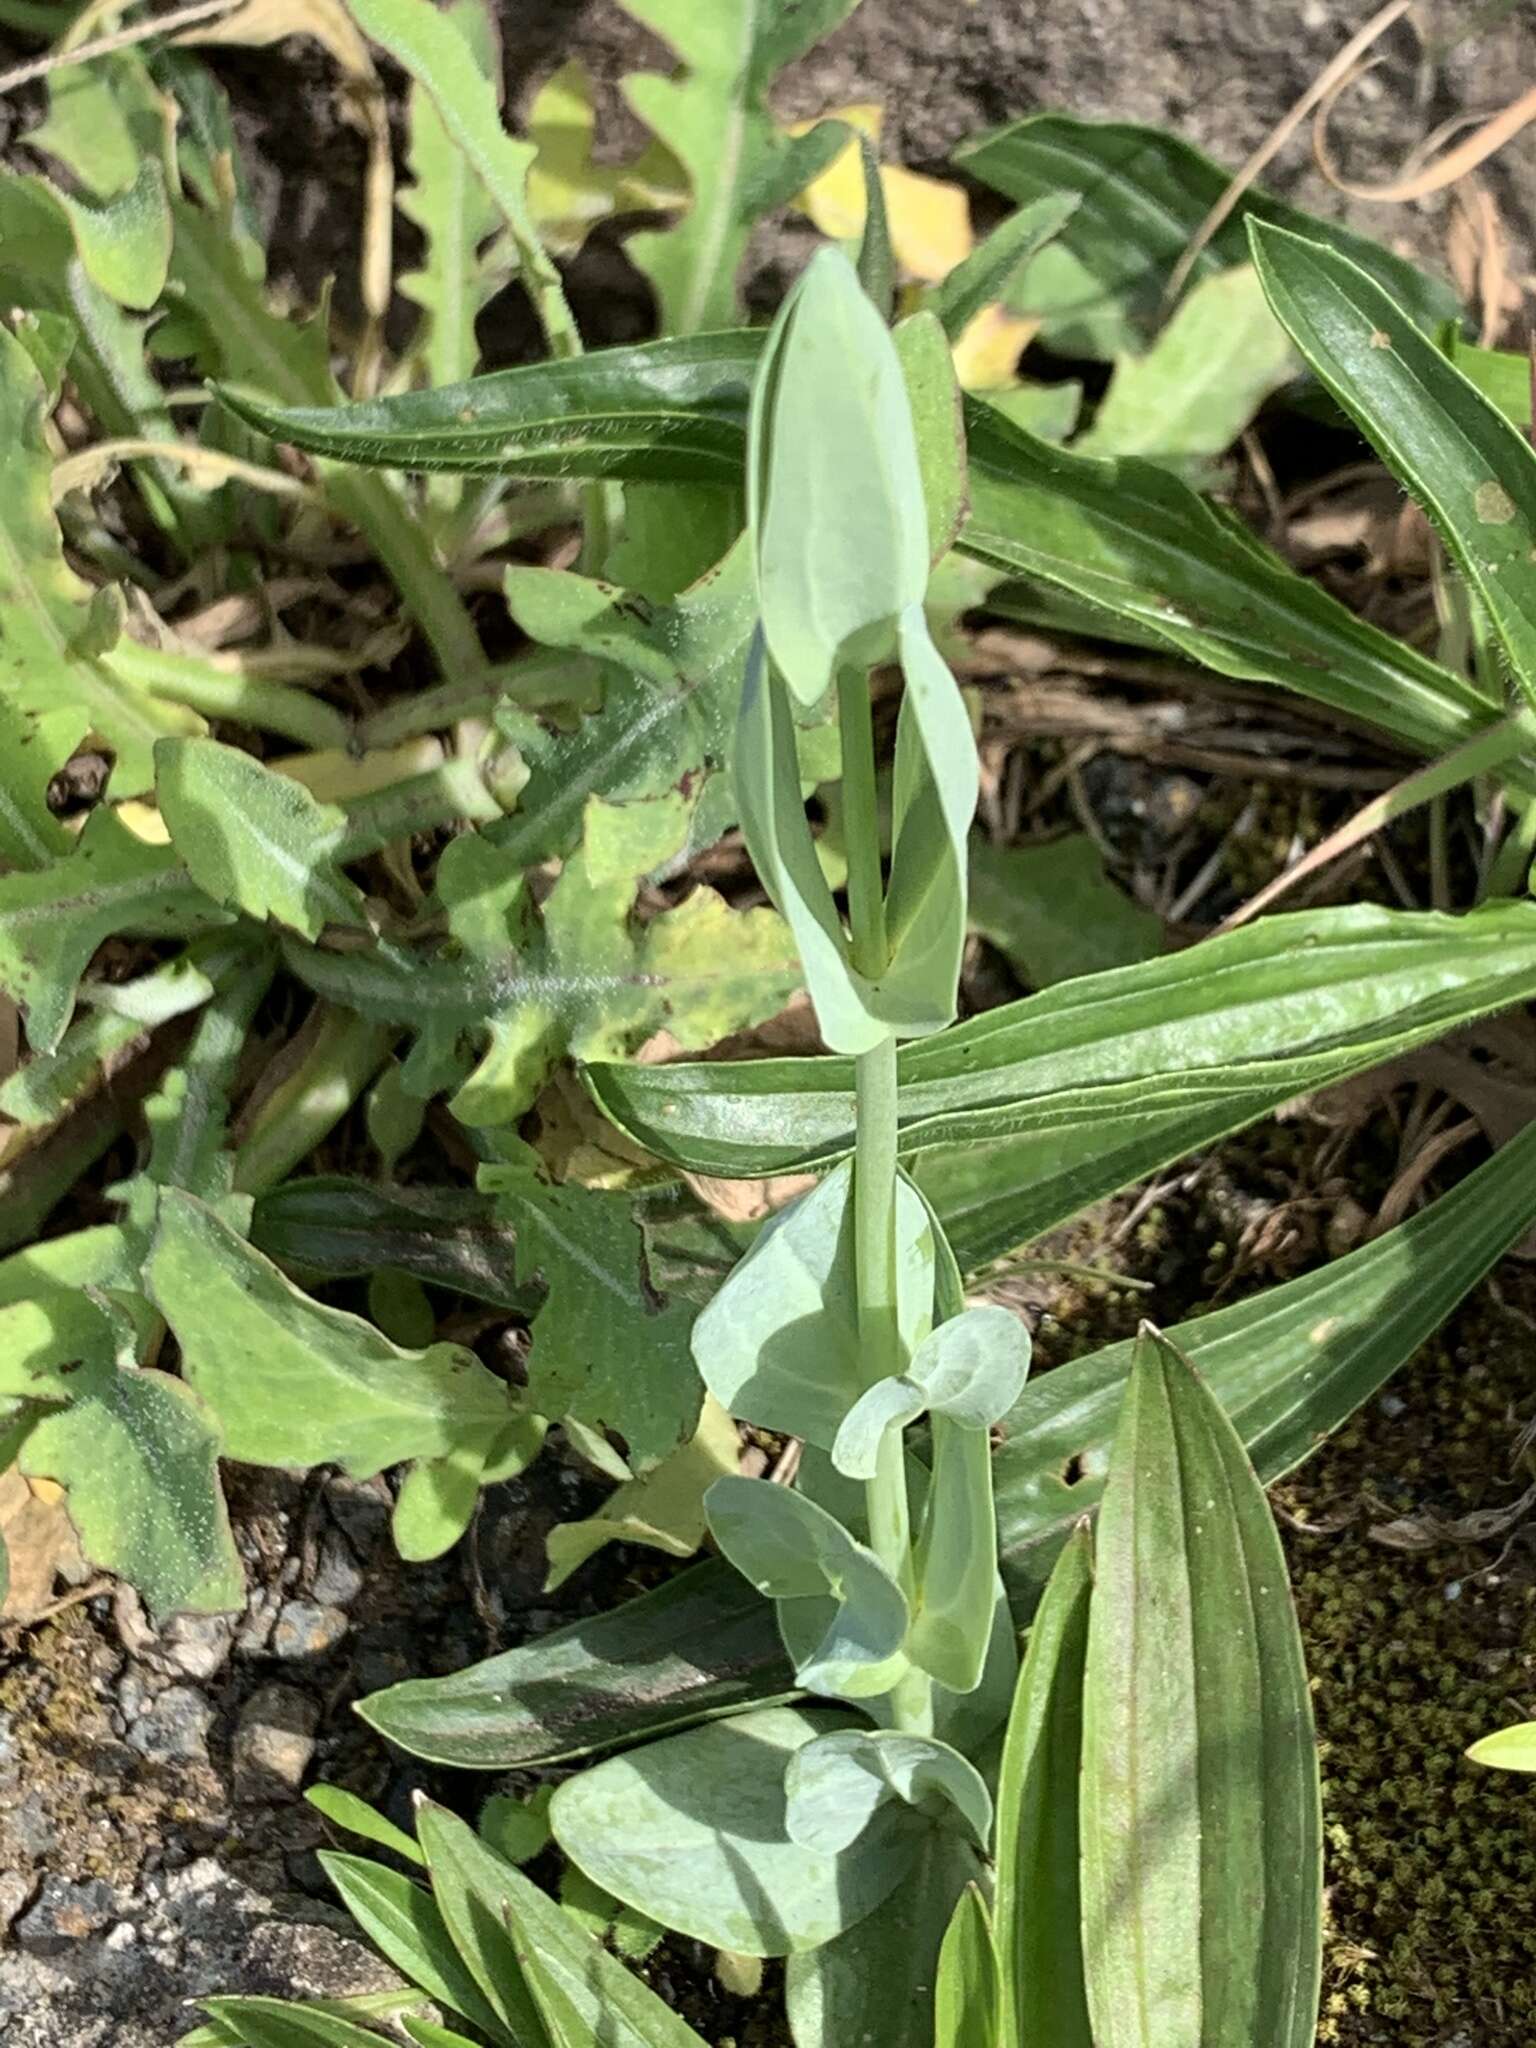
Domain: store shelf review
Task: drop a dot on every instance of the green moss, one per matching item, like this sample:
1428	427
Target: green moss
1431	1863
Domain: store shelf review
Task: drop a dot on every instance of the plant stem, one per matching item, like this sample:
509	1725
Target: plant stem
874	1171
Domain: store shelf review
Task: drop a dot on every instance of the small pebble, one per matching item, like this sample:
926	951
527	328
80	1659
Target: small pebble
274	1743
305	1629
64	1913
338	1577
175	1727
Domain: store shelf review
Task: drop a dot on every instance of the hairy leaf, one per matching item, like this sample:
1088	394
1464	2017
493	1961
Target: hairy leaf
293	1382
52	922
253	839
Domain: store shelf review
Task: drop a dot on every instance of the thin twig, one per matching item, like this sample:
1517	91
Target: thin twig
1331	74
1456	163
119	39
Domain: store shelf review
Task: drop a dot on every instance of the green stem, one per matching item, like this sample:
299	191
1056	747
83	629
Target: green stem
219	693
875	1172
343	1057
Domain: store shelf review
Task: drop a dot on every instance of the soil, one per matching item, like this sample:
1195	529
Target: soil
153	1846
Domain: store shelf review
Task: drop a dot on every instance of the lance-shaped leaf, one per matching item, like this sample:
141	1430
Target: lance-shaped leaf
834	489
293	1382
1289	1366
985	276
1099	286
275	2023
609	1345
1038	1910
1511	1749
778	1345
1471	469
585	1996
1028	1112
723	1867
1141	547
667	412
1201	1821
52	922
54	687
965	2002
253	839
714	119
837	1784
804	1560
469	1888
406	1925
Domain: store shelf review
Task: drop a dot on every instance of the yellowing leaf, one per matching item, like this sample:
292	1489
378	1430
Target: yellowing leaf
930	220
568	191
41	1542
987	353
664	1510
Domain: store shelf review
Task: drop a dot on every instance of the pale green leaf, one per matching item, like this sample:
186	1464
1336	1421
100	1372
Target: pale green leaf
1511	1749
834	485
835	1785
723	1868
984	277
804	1560
778	1345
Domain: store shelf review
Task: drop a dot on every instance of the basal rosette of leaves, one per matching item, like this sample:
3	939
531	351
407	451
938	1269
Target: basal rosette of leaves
340	872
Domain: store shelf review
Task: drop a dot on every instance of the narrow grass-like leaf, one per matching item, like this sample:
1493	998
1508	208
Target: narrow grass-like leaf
1471	469
274	2023
470	1889
993	265
1037	1911
1201	1821
586	1996
405	1924
345	1810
